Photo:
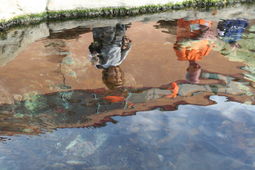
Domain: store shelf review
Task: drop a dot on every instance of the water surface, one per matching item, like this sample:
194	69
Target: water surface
165	94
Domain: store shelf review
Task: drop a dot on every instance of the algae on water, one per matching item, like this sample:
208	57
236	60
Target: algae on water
34	102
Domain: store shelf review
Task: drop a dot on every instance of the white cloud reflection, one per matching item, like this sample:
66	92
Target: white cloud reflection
197	135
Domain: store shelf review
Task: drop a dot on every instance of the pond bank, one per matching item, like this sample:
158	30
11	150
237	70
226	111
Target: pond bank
18	12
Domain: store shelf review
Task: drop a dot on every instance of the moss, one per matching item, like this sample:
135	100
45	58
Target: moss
19	115
114	12
23	20
252	29
27	130
34	102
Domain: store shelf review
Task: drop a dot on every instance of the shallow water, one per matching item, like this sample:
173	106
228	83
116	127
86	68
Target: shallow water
188	86
219	136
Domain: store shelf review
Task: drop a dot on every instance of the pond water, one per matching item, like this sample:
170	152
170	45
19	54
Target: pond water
155	94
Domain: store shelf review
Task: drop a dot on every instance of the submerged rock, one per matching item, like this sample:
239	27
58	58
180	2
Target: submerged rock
68	60
82	147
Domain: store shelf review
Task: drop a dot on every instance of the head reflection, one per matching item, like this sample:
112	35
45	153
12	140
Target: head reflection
113	77
192	45
108	50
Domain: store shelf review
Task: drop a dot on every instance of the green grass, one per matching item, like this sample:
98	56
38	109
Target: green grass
113	12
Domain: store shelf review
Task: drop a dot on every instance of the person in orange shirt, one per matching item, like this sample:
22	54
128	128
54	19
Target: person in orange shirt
192	45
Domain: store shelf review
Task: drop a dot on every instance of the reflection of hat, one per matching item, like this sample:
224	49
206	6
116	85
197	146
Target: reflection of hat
193	77
113	77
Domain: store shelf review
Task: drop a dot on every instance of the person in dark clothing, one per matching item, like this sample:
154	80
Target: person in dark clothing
110	46
231	30
108	51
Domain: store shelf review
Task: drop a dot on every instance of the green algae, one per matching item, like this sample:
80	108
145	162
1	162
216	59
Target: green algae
252	28
245	89
27	130
34	102
68	60
23	20
246	55
72	74
19	115
250	74
65	96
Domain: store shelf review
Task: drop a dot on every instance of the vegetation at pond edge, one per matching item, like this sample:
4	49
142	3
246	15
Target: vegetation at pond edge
114	12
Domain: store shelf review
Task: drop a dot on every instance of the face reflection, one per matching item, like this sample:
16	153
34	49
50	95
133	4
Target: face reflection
113	77
193	67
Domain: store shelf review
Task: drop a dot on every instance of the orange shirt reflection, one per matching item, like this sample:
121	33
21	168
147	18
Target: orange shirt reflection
190	45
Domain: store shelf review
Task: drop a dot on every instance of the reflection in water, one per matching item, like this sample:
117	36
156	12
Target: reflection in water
71	93
231	30
191	138
110	46
108	51
192	45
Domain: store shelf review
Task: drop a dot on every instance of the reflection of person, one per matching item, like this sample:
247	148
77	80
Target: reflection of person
192	44
110	46
231	31
193	72
108	51
113	77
